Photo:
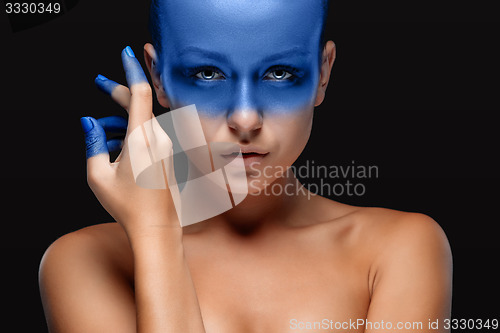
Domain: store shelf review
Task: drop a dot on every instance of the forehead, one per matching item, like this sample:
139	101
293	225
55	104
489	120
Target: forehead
241	28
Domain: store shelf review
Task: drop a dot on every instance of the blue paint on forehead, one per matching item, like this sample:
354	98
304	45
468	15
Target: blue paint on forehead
226	55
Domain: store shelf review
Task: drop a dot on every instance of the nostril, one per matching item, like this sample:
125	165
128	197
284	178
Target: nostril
245	120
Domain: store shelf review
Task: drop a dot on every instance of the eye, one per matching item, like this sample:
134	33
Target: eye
209	74
278	75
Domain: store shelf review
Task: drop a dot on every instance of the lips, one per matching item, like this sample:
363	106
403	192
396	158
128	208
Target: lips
246	151
249	154
243	154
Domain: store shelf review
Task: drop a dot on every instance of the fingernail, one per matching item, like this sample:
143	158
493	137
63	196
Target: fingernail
129	52
87	124
101	77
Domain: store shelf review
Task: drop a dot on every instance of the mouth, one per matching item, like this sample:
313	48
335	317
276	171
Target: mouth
244	155
248	154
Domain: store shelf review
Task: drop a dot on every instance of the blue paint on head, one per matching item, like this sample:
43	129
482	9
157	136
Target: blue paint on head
133	69
227	55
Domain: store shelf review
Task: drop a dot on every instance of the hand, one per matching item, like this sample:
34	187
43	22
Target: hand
138	210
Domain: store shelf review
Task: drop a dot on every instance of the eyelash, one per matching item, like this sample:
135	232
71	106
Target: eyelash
294	73
195	73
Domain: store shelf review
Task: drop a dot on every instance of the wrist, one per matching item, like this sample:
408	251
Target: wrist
154	235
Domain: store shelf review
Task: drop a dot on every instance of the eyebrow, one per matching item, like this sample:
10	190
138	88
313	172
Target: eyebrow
296	51
205	53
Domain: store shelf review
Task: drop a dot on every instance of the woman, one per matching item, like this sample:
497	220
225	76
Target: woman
274	263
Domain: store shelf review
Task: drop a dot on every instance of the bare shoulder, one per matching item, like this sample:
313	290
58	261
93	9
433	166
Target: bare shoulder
380	234
410	276
107	241
85	275
406	247
382	227
105	244
404	253
391	228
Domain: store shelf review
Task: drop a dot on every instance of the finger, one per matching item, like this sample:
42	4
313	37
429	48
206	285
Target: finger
115	124
119	93
95	143
141	102
105	85
114	144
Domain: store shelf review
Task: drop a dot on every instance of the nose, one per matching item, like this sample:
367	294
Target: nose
245	117
245	121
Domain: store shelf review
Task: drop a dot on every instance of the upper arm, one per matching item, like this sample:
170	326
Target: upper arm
81	291
413	276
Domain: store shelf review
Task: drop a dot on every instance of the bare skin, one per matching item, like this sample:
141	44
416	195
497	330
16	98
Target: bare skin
338	262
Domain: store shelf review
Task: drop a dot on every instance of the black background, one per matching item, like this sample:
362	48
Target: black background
414	91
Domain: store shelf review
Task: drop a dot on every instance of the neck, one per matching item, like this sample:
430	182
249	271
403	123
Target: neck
266	209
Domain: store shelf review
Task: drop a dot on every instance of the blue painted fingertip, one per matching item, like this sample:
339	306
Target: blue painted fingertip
133	69
101	77
87	124
104	84
95	137
129	52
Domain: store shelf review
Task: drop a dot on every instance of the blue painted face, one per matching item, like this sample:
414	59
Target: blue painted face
226	55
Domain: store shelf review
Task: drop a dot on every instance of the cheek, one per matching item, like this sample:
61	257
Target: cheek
288	101
292	132
215	129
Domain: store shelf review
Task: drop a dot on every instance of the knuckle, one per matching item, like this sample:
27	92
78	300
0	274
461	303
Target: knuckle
96	178
93	179
143	90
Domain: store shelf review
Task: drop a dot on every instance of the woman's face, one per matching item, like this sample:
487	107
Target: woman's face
252	70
